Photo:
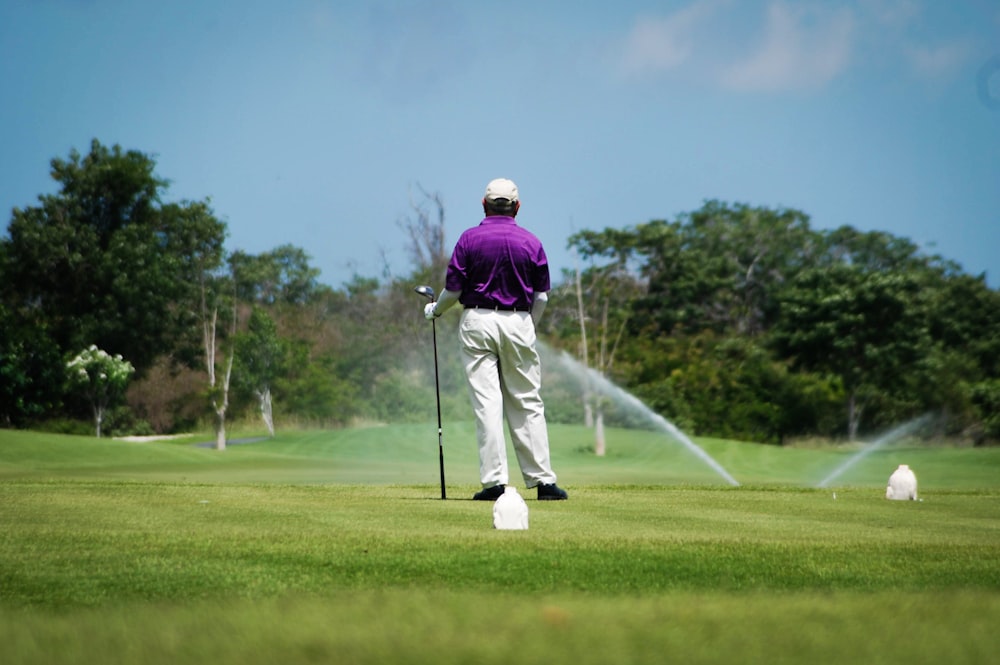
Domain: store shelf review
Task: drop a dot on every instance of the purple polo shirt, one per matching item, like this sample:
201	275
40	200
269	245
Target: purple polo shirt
498	263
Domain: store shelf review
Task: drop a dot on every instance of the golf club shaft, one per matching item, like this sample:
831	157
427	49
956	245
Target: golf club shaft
437	392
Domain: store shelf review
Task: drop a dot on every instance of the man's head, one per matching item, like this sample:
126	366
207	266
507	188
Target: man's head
501	198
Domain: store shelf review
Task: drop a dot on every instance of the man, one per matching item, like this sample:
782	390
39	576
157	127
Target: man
499	273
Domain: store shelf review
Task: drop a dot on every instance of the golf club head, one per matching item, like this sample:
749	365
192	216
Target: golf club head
425	291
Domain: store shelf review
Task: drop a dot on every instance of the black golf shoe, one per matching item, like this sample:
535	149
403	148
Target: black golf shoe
551	493
489	493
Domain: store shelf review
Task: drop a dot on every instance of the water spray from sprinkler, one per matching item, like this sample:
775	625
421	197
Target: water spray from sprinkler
603	385
893	435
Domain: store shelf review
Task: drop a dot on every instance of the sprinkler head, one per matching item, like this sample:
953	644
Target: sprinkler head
425	291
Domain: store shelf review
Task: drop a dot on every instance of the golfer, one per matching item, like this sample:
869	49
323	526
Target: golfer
500	275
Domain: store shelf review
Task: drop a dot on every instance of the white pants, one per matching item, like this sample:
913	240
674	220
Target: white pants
504	375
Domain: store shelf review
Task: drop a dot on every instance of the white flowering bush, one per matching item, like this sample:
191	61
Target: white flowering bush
101	376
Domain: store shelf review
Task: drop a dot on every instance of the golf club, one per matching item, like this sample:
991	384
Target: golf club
428	293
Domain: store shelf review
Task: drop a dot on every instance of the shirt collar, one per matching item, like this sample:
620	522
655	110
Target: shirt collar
499	219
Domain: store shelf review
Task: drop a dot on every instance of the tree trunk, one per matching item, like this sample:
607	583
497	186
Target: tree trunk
265	408
209	330
605	359
599	444
220	429
219	393
223	404
98	419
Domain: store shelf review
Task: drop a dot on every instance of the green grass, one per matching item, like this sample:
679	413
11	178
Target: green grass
334	547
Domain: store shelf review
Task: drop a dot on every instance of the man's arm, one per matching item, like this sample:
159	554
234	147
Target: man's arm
538	306
445	301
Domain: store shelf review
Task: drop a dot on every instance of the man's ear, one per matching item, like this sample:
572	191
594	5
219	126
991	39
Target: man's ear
517	207
484	205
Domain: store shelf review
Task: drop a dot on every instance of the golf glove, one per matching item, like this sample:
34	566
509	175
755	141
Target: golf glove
429	311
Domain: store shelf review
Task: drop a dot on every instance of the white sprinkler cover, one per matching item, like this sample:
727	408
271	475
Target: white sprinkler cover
902	484
510	511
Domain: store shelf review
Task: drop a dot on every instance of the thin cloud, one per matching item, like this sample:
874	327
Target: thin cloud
899	28
937	62
777	46
662	44
803	48
714	41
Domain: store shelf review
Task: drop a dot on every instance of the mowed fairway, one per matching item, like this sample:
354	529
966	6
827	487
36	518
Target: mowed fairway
332	547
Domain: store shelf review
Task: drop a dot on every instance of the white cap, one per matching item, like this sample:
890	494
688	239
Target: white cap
501	188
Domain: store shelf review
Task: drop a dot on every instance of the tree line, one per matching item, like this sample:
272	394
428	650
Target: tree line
744	321
730	320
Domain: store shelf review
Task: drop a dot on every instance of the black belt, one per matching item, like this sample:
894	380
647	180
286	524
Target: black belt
500	308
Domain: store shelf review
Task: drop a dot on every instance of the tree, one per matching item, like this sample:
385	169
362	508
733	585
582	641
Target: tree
280	276
101	377
867	328
986	396
103	261
874	251
602	296
426	247
748	290
194	241
261	361
31	371
965	316
218	340
720	267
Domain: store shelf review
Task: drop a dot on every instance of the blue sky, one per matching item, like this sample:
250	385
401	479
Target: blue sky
317	123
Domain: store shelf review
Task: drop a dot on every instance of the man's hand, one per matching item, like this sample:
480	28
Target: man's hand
429	311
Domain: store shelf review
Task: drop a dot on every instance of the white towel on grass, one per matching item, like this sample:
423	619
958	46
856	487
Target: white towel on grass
510	510
902	484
